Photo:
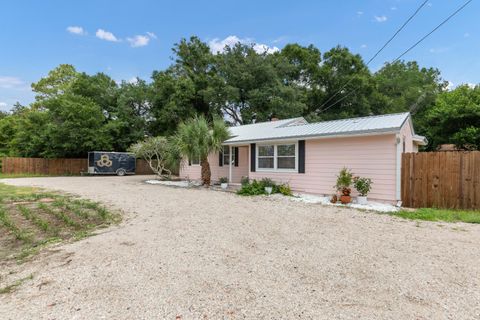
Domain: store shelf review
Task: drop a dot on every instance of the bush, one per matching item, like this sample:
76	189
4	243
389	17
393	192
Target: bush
223	179
344	179
363	185
256	188
244	181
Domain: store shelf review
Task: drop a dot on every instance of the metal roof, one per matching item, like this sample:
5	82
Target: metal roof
299	128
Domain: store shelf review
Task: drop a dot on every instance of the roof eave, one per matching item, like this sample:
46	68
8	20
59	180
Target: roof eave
316	136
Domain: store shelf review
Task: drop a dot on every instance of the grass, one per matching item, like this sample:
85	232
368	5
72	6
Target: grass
20	175
446	215
12	287
32	219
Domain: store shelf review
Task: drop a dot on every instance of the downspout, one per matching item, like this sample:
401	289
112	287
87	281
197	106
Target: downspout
398	170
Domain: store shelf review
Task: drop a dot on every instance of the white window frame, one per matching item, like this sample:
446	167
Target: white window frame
275	157
225	154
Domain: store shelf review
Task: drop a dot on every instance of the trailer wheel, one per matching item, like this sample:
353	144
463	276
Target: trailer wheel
121	172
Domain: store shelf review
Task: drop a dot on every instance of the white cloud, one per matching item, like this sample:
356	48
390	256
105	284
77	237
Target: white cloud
76	30
138	41
141	40
393	8
363	46
133	80
3	105
439	50
217	45
359	13
106	35
10	82
152	35
466	35
450	85
381	18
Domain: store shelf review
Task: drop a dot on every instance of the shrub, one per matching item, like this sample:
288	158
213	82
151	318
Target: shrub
344	179
245	180
362	185
284	189
254	188
223	180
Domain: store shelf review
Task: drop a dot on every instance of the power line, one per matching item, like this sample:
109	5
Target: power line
408	50
379	51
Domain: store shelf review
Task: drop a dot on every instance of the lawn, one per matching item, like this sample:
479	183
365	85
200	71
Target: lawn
20	175
31	219
447	215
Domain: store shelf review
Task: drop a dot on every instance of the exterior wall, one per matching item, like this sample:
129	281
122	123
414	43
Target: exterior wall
407	137
193	172
369	156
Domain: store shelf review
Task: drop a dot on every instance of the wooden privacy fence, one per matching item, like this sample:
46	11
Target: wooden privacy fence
441	180
43	166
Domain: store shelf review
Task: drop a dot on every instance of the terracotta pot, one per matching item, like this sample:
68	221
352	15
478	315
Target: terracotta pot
345	199
334	199
346	191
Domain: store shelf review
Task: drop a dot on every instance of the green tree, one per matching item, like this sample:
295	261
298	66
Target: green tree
197	138
455	118
57	82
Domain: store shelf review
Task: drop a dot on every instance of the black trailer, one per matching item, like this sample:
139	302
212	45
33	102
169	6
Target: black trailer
119	163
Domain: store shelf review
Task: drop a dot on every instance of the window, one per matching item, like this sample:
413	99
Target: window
266	157
226	155
286	156
277	157
195	161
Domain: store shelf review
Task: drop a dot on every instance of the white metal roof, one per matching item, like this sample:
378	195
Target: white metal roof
299	128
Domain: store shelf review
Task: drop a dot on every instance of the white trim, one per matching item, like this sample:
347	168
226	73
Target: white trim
311	137
398	167
275	157
229	164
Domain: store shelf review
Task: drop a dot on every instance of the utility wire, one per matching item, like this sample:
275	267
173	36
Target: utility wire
378	52
408	50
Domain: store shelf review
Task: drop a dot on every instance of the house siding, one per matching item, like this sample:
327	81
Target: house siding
369	156
194	172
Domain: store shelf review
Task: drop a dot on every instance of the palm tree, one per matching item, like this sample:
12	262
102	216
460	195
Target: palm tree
197	138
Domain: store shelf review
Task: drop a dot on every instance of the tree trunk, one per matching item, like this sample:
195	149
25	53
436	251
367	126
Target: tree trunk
206	173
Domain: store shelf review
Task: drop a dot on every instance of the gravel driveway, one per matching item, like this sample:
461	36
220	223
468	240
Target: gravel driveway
199	254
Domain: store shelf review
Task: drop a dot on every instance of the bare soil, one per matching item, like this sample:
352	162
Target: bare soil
203	254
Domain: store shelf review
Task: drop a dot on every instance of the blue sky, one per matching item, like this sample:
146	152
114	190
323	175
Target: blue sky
132	38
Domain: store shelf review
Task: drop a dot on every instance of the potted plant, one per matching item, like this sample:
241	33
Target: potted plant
268	185
344	181
223	182
363	186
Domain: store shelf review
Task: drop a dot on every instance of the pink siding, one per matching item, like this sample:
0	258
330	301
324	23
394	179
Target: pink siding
194	172
370	156
406	135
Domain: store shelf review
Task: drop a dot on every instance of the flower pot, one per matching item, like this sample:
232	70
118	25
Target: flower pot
268	190
224	186
345	199
334	199
362	200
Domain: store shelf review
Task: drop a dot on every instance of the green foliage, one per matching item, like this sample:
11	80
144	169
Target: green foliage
447	215
198	138
362	185
223	180
455	118
75	112
161	154
245	180
344	179
255	188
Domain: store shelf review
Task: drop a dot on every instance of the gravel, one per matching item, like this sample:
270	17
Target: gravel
202	254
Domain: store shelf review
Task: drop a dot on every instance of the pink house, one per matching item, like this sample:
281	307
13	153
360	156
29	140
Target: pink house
308	156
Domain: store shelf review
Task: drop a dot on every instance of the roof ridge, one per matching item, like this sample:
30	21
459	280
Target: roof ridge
265	122
357	118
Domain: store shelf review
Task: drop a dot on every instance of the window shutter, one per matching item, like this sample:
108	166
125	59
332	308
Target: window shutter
301	156
252	157
220	158
236	156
